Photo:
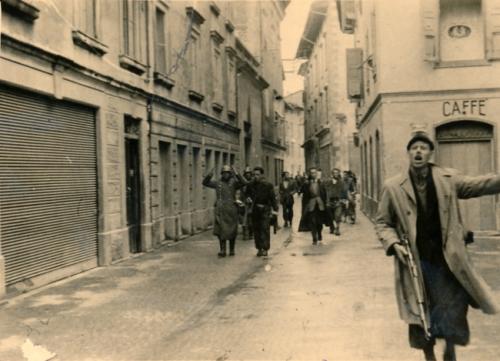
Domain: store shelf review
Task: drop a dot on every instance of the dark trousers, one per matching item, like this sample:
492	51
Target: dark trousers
288	212
335	211
315	221
261	224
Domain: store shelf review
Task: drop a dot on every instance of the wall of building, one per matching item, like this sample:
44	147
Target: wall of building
421	72
329	114
250	111
294	161
184	109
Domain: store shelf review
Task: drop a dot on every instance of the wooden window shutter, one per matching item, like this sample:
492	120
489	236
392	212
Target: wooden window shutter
430	17
492	29
354	73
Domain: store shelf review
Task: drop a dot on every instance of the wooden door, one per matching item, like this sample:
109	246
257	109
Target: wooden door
472	157
133	194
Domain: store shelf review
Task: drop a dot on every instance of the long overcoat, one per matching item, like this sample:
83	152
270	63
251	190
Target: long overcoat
225	208
304	225
397	215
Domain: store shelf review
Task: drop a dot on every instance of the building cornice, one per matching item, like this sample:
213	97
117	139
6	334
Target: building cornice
436	95
55	59
271	144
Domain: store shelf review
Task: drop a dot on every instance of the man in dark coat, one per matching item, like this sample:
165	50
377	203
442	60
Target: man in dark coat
226	210
314	200
287	190
422	206
263	199
334	192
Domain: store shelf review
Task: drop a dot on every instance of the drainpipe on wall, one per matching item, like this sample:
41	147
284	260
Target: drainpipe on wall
149	109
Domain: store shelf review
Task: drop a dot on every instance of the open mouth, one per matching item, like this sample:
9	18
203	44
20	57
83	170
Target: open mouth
418	158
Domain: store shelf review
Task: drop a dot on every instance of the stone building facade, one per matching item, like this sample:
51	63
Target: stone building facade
257	25
294	121
108	128
431	65
329	115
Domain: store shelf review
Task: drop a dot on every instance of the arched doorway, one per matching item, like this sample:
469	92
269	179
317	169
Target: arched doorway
468	146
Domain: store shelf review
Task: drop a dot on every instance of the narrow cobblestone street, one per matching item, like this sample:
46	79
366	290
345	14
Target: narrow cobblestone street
334	301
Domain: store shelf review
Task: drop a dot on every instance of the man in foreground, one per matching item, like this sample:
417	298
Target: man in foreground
421	206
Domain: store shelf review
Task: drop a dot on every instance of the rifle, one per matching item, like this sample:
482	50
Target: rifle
417	286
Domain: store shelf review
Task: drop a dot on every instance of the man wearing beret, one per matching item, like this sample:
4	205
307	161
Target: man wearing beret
421	206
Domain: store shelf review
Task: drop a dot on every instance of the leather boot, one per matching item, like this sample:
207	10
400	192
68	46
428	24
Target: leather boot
449	352
429	353
232	243
222	252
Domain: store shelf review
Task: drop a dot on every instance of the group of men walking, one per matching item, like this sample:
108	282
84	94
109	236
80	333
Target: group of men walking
419	222
250	200
326	202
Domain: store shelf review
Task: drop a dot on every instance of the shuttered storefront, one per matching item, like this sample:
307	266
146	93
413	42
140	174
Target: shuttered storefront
48	200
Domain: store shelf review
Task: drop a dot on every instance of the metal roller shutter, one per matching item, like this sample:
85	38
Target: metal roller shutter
48	200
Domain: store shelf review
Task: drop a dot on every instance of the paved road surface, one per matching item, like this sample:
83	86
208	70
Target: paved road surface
334	301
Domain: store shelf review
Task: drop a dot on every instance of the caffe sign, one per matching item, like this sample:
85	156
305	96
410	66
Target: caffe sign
467	107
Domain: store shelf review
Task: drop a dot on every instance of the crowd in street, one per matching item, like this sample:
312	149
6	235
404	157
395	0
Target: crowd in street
418	222
251	201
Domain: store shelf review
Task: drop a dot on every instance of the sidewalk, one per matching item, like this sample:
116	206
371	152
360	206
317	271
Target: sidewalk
109	312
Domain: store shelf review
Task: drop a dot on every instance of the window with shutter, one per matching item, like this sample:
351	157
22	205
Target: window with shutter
430	17
354	58
461	30
161	54
492	13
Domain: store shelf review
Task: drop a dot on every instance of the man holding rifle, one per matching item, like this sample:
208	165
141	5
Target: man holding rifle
419	222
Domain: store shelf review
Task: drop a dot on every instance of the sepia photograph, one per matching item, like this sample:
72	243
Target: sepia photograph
255	180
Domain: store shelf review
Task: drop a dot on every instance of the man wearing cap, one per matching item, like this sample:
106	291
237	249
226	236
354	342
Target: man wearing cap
263	198
226	210
422	206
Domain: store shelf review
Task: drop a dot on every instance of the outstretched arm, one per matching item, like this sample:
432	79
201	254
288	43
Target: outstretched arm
470	187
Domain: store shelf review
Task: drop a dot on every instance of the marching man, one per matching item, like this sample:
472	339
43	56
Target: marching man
420	209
